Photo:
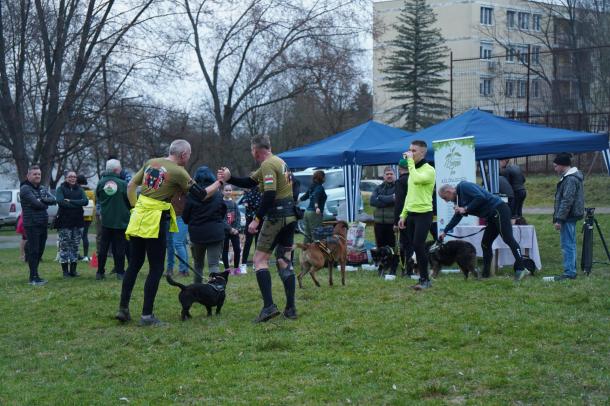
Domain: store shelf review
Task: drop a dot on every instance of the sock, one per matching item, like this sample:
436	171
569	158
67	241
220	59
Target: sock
263	277
289	288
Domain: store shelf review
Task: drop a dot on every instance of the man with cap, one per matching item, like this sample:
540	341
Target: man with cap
569	208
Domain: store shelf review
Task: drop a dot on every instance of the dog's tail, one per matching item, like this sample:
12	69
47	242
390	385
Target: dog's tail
174	283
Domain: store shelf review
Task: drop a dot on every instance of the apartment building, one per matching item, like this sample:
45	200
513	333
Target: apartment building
490	42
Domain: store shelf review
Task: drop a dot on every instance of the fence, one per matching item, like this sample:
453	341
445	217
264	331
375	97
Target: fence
561	88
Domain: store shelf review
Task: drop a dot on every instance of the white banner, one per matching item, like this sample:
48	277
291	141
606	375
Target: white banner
454	161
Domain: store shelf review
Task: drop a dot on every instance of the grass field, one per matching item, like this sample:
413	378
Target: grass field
370	342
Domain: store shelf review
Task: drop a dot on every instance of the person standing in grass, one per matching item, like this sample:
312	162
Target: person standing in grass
418	211
314	213
232	223
71	199
88	213
114	205
160	179
400	193
569	207
517	181
251	201
277	232
471	199
383	199
35	200
206	224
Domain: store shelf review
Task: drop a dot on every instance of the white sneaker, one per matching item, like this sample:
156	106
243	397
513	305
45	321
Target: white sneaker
86	259
243	269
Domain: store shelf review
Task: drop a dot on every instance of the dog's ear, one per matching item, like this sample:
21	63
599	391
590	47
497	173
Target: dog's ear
225	275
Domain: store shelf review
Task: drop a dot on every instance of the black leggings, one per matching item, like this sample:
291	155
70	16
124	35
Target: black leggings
234	239
86	238
140	248
248	241
384	235
499	223
519	199
418	227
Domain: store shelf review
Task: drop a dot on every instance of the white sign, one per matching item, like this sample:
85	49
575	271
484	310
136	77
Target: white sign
454	161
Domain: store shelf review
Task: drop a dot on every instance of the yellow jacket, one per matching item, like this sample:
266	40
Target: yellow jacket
146	216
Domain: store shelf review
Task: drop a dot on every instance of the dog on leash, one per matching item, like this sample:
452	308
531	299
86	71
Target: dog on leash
332	251
447	253
209	294
385	260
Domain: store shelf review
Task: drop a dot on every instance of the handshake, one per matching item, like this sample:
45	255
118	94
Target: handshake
223	175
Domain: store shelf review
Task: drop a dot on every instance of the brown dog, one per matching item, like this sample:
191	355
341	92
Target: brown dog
333	251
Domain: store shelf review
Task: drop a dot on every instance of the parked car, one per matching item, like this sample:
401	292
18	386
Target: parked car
334	185
369	185
10	207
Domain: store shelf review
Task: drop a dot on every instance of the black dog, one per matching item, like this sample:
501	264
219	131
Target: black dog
208	294
385	260
447	253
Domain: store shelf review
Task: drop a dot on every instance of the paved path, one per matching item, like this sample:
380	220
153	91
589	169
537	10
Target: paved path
549	210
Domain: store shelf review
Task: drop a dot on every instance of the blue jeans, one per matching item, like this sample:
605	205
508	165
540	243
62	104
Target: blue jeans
169	241
180	244
567	237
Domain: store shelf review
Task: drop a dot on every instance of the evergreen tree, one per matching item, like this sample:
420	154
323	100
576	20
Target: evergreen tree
413	69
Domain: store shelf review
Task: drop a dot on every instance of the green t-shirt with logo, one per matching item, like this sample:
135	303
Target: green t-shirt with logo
111	194
273	176
161	179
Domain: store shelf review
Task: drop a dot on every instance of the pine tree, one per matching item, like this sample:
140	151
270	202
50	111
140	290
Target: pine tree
413	69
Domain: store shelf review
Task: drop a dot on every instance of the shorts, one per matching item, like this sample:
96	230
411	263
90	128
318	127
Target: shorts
276	231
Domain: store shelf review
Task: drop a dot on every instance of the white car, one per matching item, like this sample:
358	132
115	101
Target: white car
10	207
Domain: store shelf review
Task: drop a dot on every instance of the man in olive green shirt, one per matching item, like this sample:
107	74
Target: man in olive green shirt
278	210
417	213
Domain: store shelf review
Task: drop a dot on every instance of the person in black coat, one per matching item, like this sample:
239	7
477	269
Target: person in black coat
71	199
35	200
206	224
517	181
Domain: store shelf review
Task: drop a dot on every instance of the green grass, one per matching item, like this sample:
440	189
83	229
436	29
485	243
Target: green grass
370	342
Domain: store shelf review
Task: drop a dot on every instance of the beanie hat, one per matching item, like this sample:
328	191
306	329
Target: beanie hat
403	163
204	176
563	159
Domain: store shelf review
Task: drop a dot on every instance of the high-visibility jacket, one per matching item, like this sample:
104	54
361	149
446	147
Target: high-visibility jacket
146	216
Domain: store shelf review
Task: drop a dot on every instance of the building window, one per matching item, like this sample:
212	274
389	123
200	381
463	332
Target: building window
485	50
521	88
536	88
535	54
485	87
509	90
510	19
536	22
510	54
523	19
487	15
521	52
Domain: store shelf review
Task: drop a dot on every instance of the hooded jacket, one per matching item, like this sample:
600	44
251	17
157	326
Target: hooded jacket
569	197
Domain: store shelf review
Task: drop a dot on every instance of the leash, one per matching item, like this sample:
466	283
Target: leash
189	266
466	236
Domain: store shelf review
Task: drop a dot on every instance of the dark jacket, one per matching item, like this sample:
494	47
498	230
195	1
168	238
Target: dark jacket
505	188
477	201
111	193
34	211
569	197
206	220
400	193
383	201
316	195
70	214
515	177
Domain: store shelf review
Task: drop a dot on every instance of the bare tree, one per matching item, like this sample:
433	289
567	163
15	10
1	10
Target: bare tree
51	54
244	47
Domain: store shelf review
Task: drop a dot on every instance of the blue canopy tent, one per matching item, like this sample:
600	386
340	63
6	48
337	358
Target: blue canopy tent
495	138
342	150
